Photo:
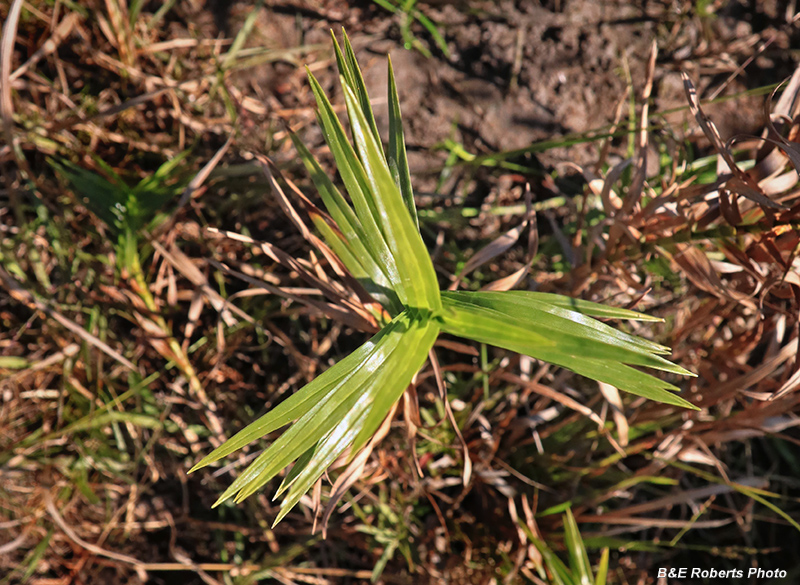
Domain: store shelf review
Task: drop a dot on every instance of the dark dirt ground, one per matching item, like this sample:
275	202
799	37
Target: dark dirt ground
523	72
517	73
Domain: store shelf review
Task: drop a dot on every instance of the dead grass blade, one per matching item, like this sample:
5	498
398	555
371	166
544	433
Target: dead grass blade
784	109
742	184
181	262
548	392
201	176
18	293
292	263
701	272
789	386
63	31
682	497
69	351
350	317
6	104
611	394
512	280
498	246
59	520
437	373
640	174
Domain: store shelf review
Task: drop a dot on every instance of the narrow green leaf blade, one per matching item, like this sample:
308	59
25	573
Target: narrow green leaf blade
602	569
578	558
348	223
414	266
356	82
397	157
588	357
355	180
550	312
323	410
572	333
377	397
294	406
105	199
588	308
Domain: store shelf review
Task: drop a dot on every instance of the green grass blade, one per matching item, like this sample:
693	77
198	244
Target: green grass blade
157	180
602	568
341	62
431	27
334	238
414	266
397	157
558	570
578	559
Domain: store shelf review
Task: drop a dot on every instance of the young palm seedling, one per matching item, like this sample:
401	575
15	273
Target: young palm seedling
377	240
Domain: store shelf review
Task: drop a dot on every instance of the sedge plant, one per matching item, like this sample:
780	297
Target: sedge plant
376	238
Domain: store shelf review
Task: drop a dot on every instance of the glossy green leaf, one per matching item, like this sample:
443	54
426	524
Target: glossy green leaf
376	399
299	465
296	405
353	253
572	332
378	241
602	568
588	308
355	180
397	157
349	69
414	266
578	559
568	341
352	394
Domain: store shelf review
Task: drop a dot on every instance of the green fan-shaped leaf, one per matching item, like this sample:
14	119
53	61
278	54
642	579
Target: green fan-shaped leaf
377	239
357	185
414	266
334	409
534	312
376	399
296	405
572	341
397	157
